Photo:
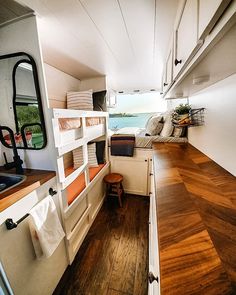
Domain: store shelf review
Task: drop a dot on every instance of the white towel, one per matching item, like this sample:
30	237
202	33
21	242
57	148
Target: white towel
45	228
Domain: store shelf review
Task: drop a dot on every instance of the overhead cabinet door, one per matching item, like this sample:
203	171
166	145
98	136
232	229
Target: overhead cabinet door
209	13
186	34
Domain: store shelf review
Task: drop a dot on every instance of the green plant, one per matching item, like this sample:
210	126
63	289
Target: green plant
182	109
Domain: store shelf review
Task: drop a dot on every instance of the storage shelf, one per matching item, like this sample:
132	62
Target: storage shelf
196	117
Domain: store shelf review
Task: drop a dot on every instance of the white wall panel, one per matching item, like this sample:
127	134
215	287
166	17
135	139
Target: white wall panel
22	36
217	138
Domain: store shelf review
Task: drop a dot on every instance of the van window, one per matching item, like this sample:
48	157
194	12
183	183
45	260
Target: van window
133	110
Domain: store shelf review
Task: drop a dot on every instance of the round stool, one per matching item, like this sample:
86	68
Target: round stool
114	185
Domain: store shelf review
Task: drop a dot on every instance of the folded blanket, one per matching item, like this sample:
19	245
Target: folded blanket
122	145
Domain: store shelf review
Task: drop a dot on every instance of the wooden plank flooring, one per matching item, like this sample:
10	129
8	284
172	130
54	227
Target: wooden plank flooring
113	259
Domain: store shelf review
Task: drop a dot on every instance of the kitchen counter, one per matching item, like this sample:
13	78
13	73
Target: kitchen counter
35	178
196	216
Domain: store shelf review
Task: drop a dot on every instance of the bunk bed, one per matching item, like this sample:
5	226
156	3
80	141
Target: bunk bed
81	188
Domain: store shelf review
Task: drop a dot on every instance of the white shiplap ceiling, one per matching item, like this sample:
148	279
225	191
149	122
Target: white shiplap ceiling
123	39
11	11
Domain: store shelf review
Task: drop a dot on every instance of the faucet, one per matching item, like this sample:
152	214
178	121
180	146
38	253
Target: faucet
17	162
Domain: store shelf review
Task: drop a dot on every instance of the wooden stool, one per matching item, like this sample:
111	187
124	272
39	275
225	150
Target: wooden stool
114	185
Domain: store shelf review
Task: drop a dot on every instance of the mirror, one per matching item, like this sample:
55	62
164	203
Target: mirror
22	109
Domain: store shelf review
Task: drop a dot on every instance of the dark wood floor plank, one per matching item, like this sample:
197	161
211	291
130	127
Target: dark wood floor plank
115	292
140	282
106	263
125	261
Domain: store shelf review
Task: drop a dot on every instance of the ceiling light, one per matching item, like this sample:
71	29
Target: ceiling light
201	80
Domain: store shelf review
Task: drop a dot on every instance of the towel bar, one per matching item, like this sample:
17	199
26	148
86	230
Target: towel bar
10	224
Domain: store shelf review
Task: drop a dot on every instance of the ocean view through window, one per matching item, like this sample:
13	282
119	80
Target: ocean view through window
133	110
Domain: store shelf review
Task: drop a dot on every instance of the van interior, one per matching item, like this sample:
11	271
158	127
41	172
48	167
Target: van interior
117	165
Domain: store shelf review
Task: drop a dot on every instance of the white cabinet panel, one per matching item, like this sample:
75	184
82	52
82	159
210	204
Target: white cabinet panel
154	264
169	68
168	71
209	13
135	173
153	289
186	34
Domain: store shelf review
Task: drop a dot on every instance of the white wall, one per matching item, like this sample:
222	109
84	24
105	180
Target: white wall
58	84
96	84
23	36
217	138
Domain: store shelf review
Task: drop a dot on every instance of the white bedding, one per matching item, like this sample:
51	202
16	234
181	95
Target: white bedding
142	141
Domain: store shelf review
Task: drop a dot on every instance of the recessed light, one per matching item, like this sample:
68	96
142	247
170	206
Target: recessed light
201	80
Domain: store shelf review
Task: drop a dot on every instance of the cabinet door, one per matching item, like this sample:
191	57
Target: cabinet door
135	173
154	268
209	13
186	34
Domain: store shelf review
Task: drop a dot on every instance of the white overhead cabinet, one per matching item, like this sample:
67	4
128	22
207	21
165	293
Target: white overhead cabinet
186	34
199	26
209	13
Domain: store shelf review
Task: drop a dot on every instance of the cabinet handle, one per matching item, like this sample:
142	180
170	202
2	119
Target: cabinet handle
178	61
145	160
152	278
165	84
151	174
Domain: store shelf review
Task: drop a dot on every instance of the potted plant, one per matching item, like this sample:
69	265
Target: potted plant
181	114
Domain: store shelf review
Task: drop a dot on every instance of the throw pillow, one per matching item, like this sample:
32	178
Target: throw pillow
179	131
154	125
80	100
167	128
92	158
100	149
78	157
99	101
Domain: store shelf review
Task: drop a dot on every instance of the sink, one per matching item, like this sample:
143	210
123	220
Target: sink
8	181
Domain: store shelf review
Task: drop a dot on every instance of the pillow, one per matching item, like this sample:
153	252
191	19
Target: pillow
82	100
168	127
154	125
179	131
69	123
78	156
100	148
99	101
92	158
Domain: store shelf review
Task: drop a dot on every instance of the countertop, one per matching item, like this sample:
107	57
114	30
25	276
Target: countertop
196	216
35	178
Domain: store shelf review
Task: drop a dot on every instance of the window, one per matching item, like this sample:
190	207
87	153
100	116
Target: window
133	110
